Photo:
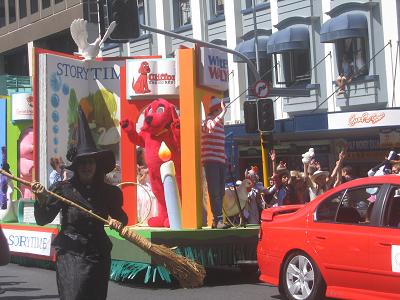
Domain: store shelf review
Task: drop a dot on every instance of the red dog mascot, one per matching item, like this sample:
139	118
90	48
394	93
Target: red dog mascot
141	86
161	124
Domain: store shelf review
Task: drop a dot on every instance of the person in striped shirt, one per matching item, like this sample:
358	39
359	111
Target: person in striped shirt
213	158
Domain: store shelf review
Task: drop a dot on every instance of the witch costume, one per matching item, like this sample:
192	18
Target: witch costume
83	248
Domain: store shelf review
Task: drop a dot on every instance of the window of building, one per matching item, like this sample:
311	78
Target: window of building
296	68
11	11
182	13
45	4
34	6
265	65
217	7
249	3
2	13
142	15
22	9
90	11
351	54
58	1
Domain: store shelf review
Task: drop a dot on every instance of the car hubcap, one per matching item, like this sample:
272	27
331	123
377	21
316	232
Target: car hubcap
300	277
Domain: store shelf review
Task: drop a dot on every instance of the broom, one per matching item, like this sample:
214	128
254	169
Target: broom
189	273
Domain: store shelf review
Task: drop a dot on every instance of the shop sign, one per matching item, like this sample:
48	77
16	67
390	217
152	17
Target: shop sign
389	138
27	241
363	119
359	145
21	106
213	69
151	77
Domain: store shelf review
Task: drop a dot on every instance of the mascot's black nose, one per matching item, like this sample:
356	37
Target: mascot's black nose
148	119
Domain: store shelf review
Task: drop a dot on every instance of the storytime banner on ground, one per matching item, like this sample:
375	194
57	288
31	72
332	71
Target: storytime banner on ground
64	84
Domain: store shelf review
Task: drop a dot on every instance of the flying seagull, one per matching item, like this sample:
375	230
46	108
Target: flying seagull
79	34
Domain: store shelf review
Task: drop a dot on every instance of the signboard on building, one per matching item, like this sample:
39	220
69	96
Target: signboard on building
21	106
363	119
213	69
151	77
29	241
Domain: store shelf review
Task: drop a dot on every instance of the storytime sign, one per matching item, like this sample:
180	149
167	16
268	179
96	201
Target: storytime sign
27	241
66	83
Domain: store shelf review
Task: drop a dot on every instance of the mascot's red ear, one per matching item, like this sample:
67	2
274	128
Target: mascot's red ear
141	69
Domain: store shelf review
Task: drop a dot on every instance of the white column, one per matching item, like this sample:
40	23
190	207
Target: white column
237	82
199	19
163	21
30	58
278	105
328	63
390	32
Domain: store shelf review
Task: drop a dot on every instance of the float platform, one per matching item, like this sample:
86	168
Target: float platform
30	245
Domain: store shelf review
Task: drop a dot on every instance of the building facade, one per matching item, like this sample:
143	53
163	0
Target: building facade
304	46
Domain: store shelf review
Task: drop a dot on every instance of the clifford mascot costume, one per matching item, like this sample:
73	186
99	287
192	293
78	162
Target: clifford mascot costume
161	124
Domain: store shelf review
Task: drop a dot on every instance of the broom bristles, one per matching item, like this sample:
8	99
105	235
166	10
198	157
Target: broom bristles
189	273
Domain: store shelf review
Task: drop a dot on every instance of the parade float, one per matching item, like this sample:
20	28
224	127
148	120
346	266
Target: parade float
108	91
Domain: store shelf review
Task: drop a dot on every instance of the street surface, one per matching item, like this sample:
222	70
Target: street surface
25	283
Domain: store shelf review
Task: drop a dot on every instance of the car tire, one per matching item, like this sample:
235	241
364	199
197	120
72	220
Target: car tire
301	278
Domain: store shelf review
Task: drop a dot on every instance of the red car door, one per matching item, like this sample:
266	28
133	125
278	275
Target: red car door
340	238
385	246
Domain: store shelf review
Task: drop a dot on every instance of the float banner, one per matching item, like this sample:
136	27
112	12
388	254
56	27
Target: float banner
363	119
213	69
21	106
151	77
27	241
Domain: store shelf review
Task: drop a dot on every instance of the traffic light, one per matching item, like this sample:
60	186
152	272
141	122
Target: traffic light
125	14
266	118
250	116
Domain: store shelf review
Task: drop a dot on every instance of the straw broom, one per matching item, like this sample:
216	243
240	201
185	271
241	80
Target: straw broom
189	273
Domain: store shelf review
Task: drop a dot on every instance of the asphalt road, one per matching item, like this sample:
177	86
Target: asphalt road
26	283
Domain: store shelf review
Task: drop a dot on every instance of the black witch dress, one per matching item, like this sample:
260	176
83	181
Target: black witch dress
83	248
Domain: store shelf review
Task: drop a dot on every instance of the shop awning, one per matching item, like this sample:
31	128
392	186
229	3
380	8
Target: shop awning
248	48
295	37
348	25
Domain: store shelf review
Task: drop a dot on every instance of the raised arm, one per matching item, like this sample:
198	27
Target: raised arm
272	155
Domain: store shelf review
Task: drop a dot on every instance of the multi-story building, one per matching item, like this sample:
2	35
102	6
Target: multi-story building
303	48
25	24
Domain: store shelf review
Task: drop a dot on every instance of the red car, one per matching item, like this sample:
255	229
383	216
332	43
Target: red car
344	244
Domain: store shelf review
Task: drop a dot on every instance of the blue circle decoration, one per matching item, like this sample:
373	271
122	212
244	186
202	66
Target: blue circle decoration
55	100
55	116
55	82
56	129
55	141
65	89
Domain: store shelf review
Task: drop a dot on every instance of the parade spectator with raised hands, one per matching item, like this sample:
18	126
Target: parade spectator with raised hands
281	191
319	181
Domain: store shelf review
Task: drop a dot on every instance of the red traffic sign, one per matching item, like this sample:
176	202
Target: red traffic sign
261	89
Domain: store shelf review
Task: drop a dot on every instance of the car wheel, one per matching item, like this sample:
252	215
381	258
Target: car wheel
301	278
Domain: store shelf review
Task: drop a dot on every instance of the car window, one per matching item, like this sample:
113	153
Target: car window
326	211
392	210
352	206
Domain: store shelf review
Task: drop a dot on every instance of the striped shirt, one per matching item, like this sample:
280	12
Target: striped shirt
213	141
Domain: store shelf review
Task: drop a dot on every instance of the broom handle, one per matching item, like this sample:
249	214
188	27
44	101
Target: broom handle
65	200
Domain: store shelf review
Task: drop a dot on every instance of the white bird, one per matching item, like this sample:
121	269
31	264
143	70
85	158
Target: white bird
79	34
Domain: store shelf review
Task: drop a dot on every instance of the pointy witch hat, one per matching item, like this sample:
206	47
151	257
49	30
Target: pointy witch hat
86	148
